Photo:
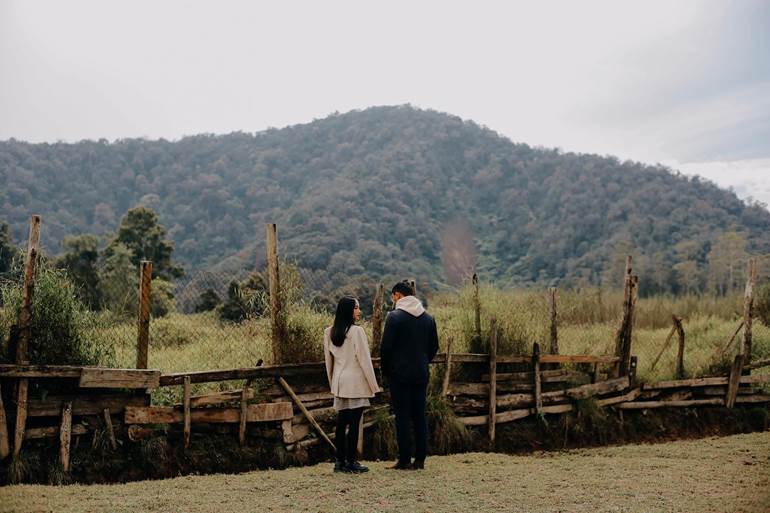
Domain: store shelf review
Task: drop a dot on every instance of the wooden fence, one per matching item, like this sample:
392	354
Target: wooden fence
301	414
292	402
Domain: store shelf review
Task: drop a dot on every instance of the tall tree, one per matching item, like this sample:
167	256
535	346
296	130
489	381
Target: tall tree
80	259
726	262
141	233
8	251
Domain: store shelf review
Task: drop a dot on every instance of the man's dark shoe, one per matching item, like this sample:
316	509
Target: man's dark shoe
400	465
340	466
418	465
356	467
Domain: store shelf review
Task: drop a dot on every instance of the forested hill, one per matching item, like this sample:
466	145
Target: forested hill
385	192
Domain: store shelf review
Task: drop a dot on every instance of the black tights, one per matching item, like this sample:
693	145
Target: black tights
346	445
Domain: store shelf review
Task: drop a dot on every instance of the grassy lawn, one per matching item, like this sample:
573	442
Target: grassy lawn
730	474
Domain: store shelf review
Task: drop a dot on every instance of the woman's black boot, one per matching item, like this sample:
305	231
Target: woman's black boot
356	467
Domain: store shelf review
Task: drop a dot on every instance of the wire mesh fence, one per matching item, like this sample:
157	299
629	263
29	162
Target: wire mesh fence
214	320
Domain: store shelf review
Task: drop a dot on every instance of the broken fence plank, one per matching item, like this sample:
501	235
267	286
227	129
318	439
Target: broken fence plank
305	412
603	387
609	401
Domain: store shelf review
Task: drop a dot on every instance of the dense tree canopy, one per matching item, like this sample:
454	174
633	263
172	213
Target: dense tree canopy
377	193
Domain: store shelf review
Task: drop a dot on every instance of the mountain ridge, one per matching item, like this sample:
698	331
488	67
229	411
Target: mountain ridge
375	192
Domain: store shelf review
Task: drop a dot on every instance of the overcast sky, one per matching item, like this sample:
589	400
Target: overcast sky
684	83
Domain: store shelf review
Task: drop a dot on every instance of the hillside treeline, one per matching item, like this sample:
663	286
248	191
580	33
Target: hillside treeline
394	191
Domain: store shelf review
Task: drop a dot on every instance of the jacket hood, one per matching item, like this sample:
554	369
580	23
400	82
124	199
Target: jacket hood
410	305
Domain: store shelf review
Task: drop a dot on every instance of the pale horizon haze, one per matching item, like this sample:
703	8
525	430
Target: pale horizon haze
685	84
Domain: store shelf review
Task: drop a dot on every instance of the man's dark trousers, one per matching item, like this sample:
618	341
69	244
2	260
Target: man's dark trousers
408	401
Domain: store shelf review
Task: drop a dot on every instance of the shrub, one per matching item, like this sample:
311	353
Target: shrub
447	434
59	322
304	335
207	301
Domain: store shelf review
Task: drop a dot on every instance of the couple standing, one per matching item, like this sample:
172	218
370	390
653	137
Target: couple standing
409	343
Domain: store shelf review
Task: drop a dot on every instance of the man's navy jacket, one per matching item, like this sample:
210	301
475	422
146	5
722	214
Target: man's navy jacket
409	343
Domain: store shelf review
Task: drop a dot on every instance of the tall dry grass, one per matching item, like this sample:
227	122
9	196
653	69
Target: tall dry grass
587	323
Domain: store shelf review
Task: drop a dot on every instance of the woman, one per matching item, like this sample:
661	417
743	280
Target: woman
351	379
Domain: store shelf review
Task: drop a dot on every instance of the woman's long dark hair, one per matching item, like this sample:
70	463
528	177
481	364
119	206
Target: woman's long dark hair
343	320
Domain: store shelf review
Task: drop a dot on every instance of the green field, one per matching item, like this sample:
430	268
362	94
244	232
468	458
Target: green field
714	475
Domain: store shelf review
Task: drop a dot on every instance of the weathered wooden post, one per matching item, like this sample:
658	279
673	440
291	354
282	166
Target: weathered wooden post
187	420
448	368
632	366
680	353
244	416
492	380
5	448
625	332
734	381
537	378
110	430
360	443
145	291
25	331
554	334
476	308
276	314
748	309
377	311
65	436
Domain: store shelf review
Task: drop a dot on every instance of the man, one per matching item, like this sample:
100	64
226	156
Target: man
409	343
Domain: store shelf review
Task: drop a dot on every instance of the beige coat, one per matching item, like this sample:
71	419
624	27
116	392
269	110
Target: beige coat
349	367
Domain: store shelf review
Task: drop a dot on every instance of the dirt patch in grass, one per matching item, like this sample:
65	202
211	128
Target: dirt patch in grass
728	474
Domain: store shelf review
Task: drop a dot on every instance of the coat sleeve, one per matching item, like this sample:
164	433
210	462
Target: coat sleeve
328	358
365	360
433	348
386	346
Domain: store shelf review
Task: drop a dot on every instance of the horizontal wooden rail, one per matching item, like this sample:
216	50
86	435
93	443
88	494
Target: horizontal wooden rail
266	371
757	365
704	382
39	371
577	358
262	412
90	377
